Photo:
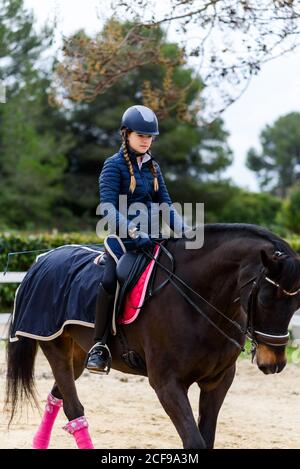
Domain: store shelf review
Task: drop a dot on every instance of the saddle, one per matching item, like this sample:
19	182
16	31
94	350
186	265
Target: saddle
129	267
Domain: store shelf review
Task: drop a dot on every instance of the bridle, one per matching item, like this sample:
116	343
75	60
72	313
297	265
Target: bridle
275	340
288	293
256	337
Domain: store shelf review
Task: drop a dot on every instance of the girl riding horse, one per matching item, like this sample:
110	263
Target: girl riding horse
132	171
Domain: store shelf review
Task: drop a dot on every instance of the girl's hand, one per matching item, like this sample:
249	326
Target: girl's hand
142	241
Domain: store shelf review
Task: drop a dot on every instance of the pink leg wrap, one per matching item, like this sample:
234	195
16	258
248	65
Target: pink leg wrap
42	436
79	429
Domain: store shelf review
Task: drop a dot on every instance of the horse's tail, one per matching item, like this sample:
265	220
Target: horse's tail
20	373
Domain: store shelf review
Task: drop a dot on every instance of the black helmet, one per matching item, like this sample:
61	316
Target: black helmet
140	119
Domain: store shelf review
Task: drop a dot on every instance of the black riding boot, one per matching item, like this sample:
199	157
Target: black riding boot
99	357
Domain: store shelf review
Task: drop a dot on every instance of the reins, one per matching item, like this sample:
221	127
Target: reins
254	335
192	303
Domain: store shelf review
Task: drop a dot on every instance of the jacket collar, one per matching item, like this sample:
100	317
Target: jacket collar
146	158
132	155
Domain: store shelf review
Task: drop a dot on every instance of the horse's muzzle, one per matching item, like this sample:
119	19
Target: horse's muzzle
270	360
271	369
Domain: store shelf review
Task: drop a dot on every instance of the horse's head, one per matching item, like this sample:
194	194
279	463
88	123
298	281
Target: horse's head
274	297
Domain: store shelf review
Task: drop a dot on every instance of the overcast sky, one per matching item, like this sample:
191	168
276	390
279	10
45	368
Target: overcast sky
274	92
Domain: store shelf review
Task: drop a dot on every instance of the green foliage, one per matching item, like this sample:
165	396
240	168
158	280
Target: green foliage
32	165
199	152
294	242
33	139
290	211
225	202
277	166
20	45
247	207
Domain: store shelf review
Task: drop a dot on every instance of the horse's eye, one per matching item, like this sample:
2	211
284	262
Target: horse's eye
278	253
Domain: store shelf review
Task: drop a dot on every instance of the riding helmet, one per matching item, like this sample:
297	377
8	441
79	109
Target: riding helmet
140	119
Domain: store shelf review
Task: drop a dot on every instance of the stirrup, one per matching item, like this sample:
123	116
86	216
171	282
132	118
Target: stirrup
105	361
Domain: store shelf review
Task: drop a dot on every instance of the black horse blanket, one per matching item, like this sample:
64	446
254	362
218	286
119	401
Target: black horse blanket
60	288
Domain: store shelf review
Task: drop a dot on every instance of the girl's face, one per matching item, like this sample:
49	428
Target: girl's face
139	142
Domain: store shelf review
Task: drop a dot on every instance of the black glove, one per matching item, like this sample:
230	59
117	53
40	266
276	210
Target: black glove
142	241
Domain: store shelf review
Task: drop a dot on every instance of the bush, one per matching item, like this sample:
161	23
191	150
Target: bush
249	207
294	243
290	213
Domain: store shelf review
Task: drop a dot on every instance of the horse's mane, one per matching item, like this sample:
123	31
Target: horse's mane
290	272
244	230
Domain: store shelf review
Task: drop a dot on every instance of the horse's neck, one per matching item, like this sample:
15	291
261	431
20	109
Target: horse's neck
214	270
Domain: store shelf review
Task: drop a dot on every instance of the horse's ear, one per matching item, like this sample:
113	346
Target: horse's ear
268	261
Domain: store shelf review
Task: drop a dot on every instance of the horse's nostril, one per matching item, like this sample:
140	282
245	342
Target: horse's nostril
268	369
280	367
272	368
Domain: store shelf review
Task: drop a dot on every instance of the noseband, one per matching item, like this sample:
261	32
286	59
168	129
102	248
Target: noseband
258	337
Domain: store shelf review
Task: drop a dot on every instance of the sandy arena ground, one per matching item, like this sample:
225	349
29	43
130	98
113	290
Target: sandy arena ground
259	411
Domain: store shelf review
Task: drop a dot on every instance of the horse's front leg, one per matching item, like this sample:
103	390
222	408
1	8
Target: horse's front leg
174	399
210	403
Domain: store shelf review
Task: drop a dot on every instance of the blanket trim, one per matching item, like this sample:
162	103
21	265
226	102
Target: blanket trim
53	336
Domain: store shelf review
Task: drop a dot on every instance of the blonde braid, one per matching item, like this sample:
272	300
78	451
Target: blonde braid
155	178
128	161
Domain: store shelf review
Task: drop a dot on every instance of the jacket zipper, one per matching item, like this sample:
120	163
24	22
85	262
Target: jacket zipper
142	177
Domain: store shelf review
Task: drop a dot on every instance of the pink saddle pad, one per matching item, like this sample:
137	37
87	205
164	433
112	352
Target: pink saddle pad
134	299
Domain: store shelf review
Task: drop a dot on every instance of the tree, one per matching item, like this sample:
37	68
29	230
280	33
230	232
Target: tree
214	194
21	47
32	165
92	66
226	203
31	140
184	149
227	42
277	166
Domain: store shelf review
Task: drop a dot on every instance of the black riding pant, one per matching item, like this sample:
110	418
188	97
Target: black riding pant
109	279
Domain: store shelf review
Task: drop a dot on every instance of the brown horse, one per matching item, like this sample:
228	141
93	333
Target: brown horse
244	280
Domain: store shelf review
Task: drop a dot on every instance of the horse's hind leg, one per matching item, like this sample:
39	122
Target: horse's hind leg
59	353
42	437
79	357
209	406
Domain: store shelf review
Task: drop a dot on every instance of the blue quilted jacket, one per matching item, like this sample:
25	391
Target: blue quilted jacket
115	180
